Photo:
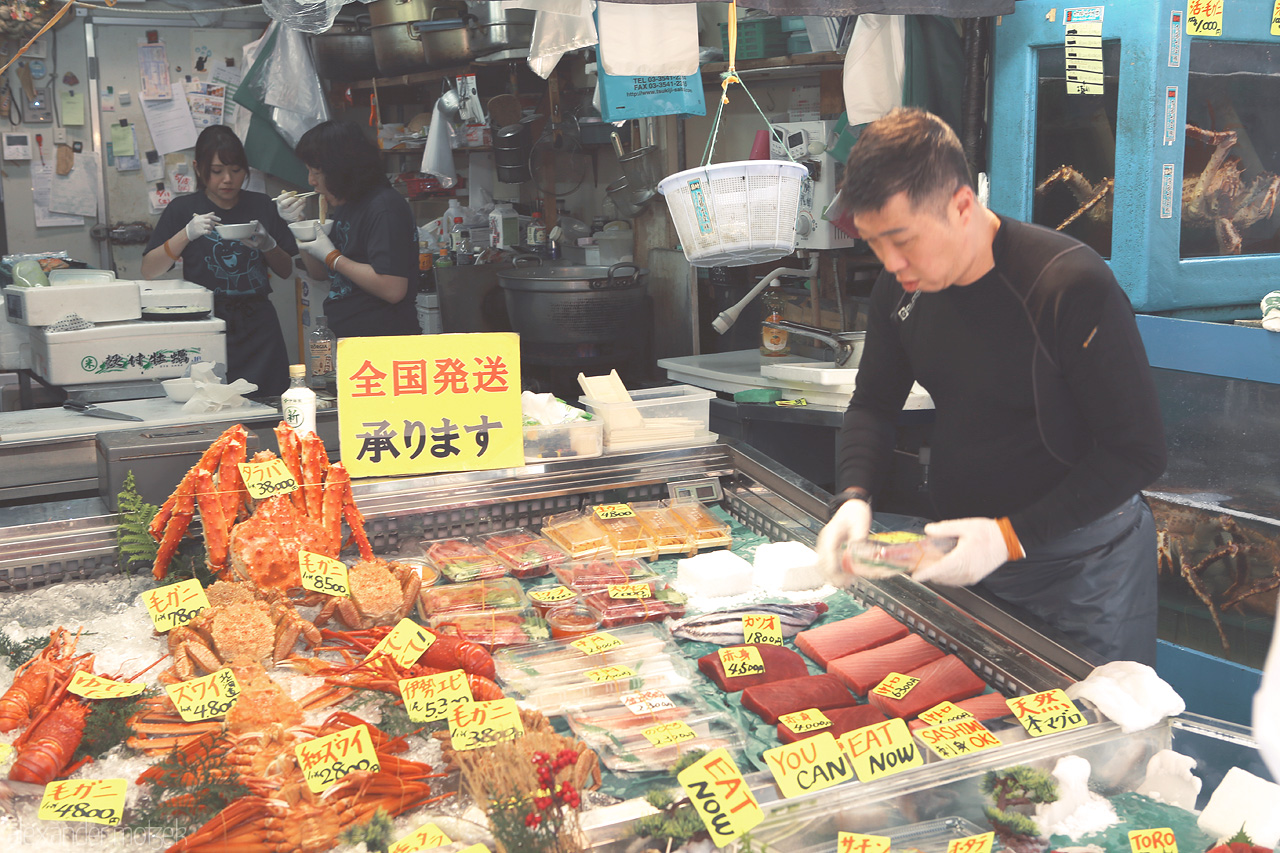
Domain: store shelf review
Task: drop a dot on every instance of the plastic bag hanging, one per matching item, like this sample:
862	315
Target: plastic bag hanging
307	16
648	40
556	34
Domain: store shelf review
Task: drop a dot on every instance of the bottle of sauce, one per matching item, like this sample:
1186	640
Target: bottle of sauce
298	404
774	343
537	237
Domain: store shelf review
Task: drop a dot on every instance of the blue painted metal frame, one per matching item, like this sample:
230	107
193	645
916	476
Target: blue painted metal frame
1144	253
1214	349
1210	686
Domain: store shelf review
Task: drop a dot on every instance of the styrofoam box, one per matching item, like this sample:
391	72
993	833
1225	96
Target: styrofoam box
110	353
175	293
15	345
98	302
574	440
673	415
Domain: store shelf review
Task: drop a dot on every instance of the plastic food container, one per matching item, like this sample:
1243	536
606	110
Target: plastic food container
576	534
628	537
494	628
617	734
462	559
666	674
571	621
675	415
95	295
591	575
495	594
546	596
560	660
574	440
427	572
895	552
710	531
670	536
665	603
525	553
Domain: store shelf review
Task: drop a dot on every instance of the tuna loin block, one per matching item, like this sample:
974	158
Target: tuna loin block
945	678
837	639
863	670
842	720
772	700
988	706
779	663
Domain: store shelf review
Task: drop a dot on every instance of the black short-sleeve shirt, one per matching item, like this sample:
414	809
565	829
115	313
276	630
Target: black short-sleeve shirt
378	230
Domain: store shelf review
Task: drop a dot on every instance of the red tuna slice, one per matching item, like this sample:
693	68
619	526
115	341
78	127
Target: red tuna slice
946	678
988	706
772	700
779	663
842	720
864	670
837	639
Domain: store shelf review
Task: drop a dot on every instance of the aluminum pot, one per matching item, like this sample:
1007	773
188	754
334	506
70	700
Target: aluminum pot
573	304
383	12
345	51
441	37
499	28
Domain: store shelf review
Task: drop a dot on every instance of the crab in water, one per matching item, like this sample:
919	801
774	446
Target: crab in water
1094	199
382	593
1217	198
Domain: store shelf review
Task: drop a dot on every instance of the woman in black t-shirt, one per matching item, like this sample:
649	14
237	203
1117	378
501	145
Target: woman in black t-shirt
237	271
371	255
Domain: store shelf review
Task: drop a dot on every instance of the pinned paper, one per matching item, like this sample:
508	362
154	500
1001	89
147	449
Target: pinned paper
170	124
153	70
158	197
152	167
129	162
122	140
76	192
71	108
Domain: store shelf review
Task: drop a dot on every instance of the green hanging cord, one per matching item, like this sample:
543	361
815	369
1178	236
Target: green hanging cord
715	127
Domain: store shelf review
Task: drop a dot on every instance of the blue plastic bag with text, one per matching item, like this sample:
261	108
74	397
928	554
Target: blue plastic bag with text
640	97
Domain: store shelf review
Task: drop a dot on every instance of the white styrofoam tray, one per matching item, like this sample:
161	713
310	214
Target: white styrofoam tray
126	351
100	302
813	373
175	293
15	345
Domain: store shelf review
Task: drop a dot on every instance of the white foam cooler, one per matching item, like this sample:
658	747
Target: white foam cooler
125	351
173	294
98	301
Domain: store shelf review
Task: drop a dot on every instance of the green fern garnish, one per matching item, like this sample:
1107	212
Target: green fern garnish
19	653
134	545
375	832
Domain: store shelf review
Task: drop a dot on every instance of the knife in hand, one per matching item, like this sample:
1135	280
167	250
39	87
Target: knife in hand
98	411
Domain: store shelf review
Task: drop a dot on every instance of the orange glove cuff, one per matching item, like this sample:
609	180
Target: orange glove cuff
332	258
1010	539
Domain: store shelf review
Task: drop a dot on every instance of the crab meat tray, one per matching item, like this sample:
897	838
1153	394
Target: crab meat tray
461	558
600	573
501	594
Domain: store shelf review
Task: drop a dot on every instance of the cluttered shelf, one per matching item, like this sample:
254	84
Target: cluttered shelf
800	63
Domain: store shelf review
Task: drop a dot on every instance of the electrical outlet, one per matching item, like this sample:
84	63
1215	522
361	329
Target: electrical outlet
59	136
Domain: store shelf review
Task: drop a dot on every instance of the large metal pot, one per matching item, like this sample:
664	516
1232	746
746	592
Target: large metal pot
499	28
345	51
417	35
574	304
383	12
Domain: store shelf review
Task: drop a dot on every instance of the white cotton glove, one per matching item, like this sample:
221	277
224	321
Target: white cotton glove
201	225
981	548
289	206
851	523
259	239
319	248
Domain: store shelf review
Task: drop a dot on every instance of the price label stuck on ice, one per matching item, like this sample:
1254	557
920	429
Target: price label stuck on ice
957	738
405	644
805	721
720	795
630	590
90	686
428	698
895	686
676	731
473	725
609	512
647	702
741	660
972	844
1047	712
552	595
175	604
90	800
808	765
1160	840
267	479
323	574
205	698
325	760
854	842
427	837
595	644
881	749
610	673
763	628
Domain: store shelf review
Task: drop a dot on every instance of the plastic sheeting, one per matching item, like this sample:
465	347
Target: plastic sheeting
835	8
648	40
307	16
282	84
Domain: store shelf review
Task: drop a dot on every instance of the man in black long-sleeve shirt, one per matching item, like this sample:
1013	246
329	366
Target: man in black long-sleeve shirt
1047	423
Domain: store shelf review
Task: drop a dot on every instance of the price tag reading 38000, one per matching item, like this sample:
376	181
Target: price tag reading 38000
267	479
473	725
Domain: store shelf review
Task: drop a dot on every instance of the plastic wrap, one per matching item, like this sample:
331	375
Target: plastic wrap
282	84
308	16
556	34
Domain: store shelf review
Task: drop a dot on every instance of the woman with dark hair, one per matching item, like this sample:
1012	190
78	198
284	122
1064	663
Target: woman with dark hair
371	255
237	271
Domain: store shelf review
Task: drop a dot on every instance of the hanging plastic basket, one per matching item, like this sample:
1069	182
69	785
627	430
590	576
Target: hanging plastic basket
735	214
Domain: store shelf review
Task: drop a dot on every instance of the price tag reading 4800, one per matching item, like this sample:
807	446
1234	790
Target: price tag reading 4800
91	800
205	698
266	479
327	759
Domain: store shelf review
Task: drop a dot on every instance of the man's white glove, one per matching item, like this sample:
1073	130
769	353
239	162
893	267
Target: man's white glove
259	239
202	225
851	523
319	248
290	206
982	546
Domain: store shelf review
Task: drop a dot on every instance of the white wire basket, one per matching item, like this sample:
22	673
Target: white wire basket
738	213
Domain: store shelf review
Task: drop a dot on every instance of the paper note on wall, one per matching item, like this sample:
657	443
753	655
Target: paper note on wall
205	101
130	162
122	140
72	108
41	181
153	69
170	124
152	167
76	192
228	77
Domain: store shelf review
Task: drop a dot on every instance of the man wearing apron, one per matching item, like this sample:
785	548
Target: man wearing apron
1047	424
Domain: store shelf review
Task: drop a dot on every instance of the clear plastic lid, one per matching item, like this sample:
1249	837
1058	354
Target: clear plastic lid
495	628
669	534
577	534
526	554
711	531
663	603
461	558
568	658
894	552
628	537
651	741
475	596
605	683
592	575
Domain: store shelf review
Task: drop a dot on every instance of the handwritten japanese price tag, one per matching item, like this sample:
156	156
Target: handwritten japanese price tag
805	721
881	749
428	697
476	848
1046	713
595	644
90	800
473	725
610	673
552	595
175	604
267	479
1275	19
944	712
327	759
405	644
427	837
1204	17
972	844
675	731
323	574
763	628
808	765
1153	841
630	590
608	512
895	685
6	752
957	738
206	697
92	686
853	842
741	660
722	798
647	701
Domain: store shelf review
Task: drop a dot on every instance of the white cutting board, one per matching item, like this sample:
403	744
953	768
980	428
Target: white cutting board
157	411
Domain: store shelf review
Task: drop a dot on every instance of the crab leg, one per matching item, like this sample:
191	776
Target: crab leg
339	480
314	463
183	508
230	482
291	453
215	525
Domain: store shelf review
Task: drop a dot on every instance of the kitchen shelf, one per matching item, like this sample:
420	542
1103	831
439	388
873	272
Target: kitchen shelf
798	65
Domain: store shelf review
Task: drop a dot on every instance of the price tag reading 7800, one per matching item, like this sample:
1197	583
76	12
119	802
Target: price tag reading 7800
267	479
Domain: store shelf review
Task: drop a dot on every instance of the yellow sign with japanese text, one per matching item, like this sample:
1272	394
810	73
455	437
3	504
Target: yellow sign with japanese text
1204	17
427	837
175	604
323	574
405	644
92	800
473	725
853	842
421	404
972	844
206	697
427	698
90	686
325	760
1046	712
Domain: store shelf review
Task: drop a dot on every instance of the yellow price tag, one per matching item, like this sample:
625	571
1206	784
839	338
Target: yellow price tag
473	725
1047	712
427	837
881	749
808	765
405	644
853	842
805	721
764	628
741	660
675	731
1153	841
6	752
206	697
323	574
610	673
895	537
91	686
799	401
1204	17
427	698
957	738
267	479
608	512
972	844
595	644
944	712
475	848
895	685
1275	19
325	760
647	701
175	604
630	590
722	798
90	800
552	595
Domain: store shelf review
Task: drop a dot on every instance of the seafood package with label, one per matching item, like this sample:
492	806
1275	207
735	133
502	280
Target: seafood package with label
568	659
710	531
669	534
461	559
545	596
648	732
778	663
724	627
591	575
577	533
627	536
475	596
495	628
604	683
525	553
616	605
893	553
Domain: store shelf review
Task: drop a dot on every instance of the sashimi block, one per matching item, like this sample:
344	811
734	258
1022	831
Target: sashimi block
945	678
837	639
842	720
773	700
863	670
988	706
779	663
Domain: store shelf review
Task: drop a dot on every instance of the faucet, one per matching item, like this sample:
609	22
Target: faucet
843	343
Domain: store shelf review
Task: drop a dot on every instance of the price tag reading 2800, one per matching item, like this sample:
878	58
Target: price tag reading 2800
323	574
325	760
267	479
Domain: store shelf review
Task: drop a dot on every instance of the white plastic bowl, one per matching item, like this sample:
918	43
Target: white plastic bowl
179	390
306	229
236	232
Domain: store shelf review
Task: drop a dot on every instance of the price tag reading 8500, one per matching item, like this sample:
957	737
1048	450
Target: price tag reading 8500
323	574
91	800
267	479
